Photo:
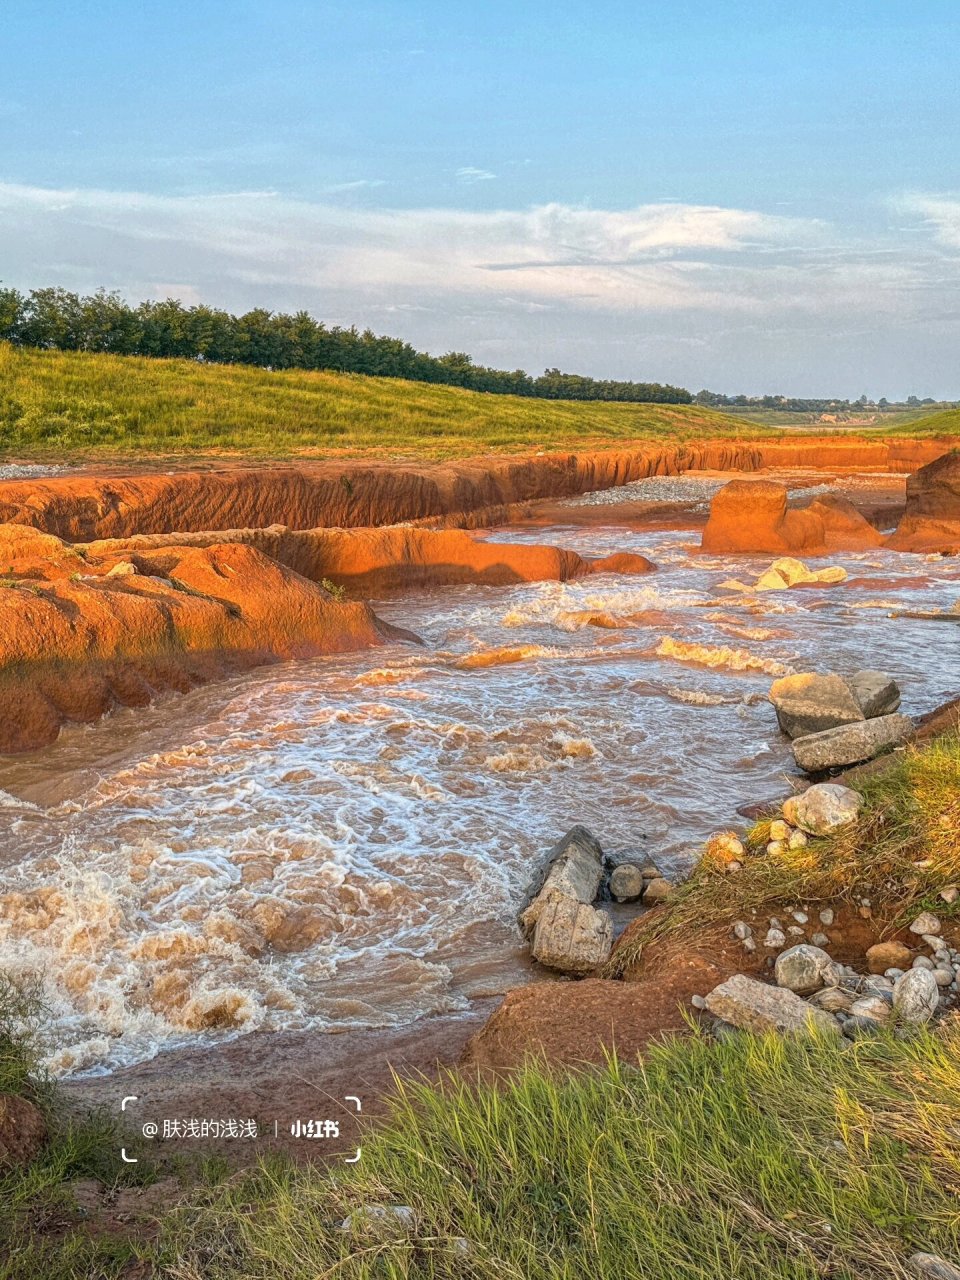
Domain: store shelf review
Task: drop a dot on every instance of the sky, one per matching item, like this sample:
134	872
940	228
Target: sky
748	196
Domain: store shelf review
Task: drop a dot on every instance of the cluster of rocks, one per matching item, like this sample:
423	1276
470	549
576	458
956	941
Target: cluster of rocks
567	931
902	985
835	720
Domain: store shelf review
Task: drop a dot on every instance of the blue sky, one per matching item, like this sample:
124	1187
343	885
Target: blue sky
747	196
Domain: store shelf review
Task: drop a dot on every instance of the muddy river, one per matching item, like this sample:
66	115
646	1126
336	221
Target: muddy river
344	841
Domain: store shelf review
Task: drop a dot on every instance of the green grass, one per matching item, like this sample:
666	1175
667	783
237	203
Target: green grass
903	849
53	402
769	1157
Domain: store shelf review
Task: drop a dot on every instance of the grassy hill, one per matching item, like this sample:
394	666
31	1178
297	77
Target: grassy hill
53	402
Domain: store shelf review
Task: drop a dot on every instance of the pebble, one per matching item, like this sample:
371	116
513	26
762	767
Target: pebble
926	922
798	840
827	916
819	939
855	1028
871	1007
775	848
943	977
795	931
698	1002
923	962
801	917
779	830
742	930
749	944
950	894
775	938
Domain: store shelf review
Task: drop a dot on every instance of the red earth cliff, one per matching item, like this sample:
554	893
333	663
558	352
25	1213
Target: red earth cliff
80	634
753	516
931	521
81	507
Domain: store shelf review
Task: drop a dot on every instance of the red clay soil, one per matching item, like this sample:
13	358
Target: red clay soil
571	1023
82	507
76	639
931	521
370	562
753	516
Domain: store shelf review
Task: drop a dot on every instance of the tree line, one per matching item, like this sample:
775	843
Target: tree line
56	319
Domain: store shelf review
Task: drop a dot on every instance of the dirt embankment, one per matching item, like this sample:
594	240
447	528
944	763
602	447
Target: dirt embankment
81	633
372	561
83	507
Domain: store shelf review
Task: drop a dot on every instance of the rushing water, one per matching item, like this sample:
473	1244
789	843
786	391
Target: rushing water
344	841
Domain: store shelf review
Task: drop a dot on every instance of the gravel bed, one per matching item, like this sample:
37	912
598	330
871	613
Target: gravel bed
26	471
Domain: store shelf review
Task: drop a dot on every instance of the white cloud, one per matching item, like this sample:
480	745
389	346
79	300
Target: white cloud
940	212
469	175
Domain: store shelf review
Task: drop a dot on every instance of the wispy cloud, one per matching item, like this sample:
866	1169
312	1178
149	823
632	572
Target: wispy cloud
470	175
941	213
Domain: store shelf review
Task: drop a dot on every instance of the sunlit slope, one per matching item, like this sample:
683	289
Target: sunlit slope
74	402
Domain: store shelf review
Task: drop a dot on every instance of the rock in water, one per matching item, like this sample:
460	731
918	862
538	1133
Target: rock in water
657	891
809	703
572	936
850	743
626	883
23	1131
755	1006
825	808
802	969
574	869
916	996
876	694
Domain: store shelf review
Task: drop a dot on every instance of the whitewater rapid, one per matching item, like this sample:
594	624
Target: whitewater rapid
344	841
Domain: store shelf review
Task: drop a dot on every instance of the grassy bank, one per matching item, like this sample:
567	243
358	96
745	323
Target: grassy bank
53	402
781	1158
902	851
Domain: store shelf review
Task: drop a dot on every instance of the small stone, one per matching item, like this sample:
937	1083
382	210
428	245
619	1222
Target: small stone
733	867
943	977
775	848
801	917
877	982
795	931
742	930
379	1221
826	916
779	830
926	922
923	962
930	1266
626	883
698	1002
657	891
950	894
916	996
774	923
790	810
798	840
801	969
894	974
854	1028
826	807
749	945
819	939
775	939
871	1007
888	955
755	1006
934	941
833	1000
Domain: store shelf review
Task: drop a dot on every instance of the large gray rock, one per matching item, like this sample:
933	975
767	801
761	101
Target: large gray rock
876	694
825	808
755	1006
850	743
803	969
809	703
574	869
572	936
916	996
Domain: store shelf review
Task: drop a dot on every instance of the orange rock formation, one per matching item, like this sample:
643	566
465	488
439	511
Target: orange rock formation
931	521
752	515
